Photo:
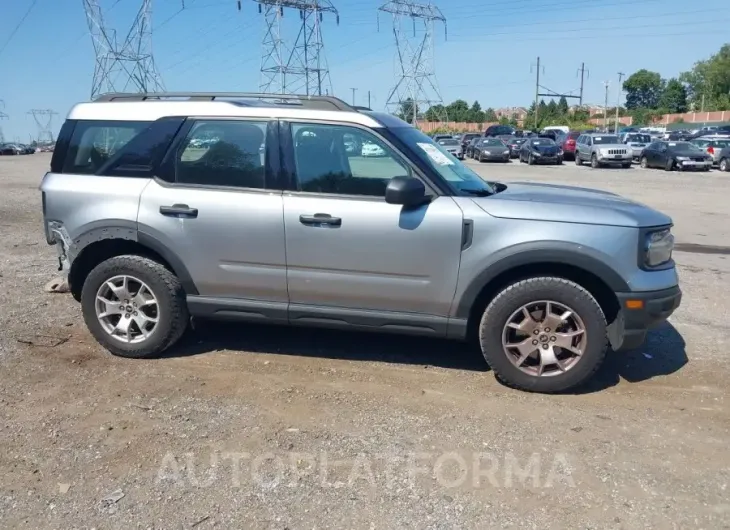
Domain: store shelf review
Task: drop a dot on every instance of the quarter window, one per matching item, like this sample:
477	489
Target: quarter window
343	160
223	153
94	143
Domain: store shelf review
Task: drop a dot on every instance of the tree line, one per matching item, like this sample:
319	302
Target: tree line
705	87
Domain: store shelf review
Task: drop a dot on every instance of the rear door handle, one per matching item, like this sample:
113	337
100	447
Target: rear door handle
179	210
320	219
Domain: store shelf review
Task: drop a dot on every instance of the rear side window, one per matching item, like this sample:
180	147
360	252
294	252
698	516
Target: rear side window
94	143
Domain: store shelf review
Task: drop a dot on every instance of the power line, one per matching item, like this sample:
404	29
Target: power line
17	27
44	120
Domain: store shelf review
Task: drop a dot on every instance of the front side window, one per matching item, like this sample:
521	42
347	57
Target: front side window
343	160
223	153
93	143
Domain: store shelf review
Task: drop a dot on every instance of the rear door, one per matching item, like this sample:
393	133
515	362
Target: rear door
349	253
216	206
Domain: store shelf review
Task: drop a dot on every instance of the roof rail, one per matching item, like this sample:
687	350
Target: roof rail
309	102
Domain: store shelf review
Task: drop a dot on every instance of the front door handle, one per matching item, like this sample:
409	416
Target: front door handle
179	210
320	219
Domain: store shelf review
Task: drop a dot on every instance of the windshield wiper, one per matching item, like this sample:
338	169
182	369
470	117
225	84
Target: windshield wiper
483	192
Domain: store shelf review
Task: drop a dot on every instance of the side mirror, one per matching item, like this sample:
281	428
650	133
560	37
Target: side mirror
407	191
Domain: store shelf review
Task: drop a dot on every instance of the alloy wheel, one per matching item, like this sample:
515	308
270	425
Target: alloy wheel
127	309
544	338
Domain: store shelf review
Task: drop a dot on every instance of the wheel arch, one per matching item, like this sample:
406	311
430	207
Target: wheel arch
588	272
98	249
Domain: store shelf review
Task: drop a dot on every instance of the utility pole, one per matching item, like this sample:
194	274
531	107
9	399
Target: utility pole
44	120
3	116
606	84
618	99
537	91
582	75
353	95
369	99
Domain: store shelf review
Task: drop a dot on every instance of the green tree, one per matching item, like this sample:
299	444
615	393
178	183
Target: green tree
490	116
643	89
581	114
406	110
542	107
710	79
458	111
476	114
674	97
563	106
435	113
552	109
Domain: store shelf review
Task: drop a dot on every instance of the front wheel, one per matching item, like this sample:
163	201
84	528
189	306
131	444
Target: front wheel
669	166
133	306
594	162
644	162
559	162
531	160
626	165
578	161
724	165
543	334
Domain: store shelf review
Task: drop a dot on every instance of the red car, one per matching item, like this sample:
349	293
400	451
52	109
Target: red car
568	145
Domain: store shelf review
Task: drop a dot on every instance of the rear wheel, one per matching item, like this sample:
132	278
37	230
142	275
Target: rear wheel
134	306
543	334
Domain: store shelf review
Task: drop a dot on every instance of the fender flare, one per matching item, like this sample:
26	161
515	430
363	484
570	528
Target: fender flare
555	254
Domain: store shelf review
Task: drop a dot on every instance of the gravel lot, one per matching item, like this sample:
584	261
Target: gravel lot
257	427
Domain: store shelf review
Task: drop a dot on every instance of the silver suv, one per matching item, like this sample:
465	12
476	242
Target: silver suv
602	150
253	208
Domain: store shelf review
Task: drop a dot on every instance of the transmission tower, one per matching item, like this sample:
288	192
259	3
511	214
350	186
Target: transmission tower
3	116
417	88
126	66
44	120
303	67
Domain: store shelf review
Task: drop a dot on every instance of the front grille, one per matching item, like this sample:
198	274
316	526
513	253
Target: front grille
698	159
617	151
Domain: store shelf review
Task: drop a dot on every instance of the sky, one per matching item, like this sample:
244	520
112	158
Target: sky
488	52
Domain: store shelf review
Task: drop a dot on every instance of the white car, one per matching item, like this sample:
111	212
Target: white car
371	149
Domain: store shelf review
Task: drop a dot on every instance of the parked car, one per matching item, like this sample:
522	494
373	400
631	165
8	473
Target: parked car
712	145
681	156
452	146
602	150
491	150
514	147
541	151
724	157
10	149
469	152
498	130
702	131
636	141
466	140
567	144
437	137
544	278
371	149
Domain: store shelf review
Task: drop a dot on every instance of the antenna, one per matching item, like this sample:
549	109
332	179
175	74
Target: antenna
44	120
303	67
416	88
126	67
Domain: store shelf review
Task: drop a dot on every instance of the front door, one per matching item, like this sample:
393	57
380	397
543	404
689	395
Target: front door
347	249
218	213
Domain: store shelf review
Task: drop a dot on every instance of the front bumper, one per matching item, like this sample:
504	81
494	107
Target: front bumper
616	159
633	324
693	164
492	156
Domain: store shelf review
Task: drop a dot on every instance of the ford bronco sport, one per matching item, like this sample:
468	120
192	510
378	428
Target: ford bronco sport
252	207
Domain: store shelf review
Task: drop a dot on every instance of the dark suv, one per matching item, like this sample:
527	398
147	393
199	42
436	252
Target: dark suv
499	130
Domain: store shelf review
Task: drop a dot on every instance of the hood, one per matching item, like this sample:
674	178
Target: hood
547	149
569	204
689	152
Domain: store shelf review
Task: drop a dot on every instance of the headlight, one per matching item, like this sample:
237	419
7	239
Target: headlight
658	247
560	152
537	154
505	152
682	158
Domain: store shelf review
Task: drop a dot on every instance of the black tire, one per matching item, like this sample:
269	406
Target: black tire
173	316
578	161
559	162
670	165
543	288
530	160
594	162
644	162
724	165
626	165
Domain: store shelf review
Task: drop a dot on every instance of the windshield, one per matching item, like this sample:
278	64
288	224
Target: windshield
493	142
645	138
459	176
683	146
448	142
542	141
598	140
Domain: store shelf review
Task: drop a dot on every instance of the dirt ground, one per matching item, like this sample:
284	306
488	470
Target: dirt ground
258	427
